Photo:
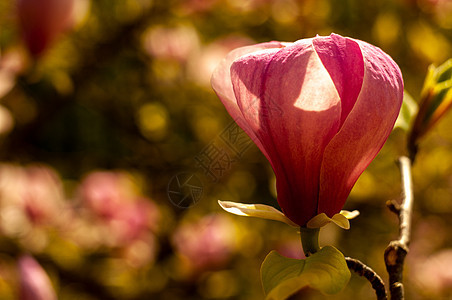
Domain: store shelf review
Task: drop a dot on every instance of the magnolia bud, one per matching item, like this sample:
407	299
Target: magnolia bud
436	99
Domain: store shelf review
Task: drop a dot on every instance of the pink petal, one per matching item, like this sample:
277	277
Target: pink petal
42	21
344	62
364	131
289	100
34	282
222	85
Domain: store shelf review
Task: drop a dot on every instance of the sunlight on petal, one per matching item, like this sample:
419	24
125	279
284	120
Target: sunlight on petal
350	214
319	221
340	219
255	210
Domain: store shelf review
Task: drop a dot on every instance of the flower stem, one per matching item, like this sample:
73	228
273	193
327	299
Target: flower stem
310	240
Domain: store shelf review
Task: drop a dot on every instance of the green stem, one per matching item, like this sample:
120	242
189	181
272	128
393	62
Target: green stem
310	240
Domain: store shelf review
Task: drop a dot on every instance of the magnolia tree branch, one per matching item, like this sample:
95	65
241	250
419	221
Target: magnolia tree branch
375	280
397	250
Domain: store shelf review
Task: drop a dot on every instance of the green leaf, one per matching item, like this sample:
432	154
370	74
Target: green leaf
407	112
444	71
325	270
441	100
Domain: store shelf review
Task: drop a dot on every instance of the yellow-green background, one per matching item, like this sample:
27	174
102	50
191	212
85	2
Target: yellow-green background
99	99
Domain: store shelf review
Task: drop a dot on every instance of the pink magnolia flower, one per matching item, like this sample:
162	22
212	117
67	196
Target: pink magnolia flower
42	194
35	190
34	282
176	43
12	63
112	200
104	192
206	244
319	109
433	274
42	21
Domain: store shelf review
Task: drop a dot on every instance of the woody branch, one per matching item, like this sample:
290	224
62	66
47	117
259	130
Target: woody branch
397	250
365	271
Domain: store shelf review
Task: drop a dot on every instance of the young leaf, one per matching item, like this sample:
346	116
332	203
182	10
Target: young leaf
407	112
325	270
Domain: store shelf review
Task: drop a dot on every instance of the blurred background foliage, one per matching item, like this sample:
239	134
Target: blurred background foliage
95	126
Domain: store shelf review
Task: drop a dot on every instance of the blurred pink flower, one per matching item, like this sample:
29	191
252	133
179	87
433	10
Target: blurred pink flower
139	253
439	10
442	10
133	220
42	193
103	193
319	109
176	43
433	274
112	199
42	21
429	235
34	282
35	189
207	243
201	66
12	63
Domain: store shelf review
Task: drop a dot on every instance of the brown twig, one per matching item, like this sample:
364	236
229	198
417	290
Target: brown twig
393	206
397	250
375	280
